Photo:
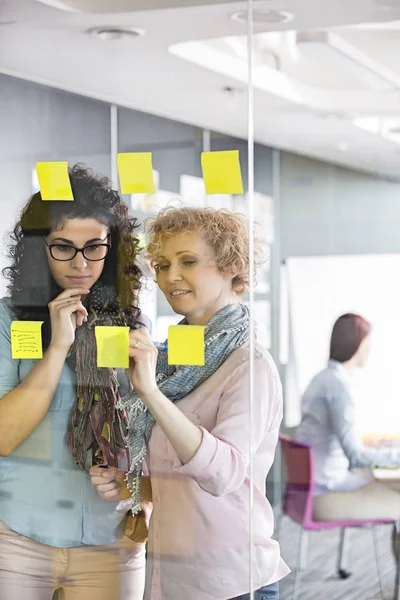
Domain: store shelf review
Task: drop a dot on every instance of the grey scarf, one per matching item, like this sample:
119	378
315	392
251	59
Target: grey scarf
225	332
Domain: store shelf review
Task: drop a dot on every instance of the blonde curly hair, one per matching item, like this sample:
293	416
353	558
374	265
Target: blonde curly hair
225	232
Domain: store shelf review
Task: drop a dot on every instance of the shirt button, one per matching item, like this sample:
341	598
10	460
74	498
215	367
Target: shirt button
86	510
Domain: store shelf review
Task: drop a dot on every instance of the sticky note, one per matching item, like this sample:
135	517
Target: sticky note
112	347
26	339
186	345
54	181
136	172
221	172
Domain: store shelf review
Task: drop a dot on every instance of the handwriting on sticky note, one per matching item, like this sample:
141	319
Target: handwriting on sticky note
136	172
54	182
186	345
112	347
221	172
26	339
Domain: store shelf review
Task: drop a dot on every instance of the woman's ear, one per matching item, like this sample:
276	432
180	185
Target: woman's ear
229	275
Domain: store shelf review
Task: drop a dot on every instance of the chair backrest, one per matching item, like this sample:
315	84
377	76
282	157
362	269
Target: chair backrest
298	497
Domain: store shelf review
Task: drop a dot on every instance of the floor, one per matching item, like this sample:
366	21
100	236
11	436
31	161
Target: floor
320	581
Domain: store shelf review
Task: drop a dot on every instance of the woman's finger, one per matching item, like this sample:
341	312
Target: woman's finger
112	494
71	292
141	334
96	480
140	342
140	354
142	347
104	488
99	480
72	306
100	471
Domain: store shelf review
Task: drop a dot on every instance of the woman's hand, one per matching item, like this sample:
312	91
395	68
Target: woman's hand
110	483
66	313
143	361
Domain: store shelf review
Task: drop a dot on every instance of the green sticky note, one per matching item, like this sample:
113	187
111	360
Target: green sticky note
221	172
136	172
26	339
186	345
54	182
112	347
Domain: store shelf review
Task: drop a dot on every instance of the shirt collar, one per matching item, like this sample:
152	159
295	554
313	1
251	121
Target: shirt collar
347	374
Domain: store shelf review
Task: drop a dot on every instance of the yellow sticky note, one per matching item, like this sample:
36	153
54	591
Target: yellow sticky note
136	172
112	347
186	345
221	172
26	339
54	181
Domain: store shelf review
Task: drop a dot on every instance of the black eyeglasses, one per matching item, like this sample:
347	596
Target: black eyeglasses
65	252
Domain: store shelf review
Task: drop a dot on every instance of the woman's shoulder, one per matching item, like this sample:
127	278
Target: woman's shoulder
6	310
262	358
327	383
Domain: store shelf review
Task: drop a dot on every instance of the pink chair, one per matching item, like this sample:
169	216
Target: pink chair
298	505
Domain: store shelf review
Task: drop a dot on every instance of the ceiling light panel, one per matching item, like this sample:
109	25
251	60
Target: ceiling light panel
336	52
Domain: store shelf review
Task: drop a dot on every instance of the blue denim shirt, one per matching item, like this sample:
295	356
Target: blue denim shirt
44	495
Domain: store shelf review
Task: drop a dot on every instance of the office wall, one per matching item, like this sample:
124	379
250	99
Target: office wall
175	146
326	209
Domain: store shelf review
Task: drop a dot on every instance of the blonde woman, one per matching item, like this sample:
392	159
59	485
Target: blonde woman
194	421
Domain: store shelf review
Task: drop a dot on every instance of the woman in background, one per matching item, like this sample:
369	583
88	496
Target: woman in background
329	425
195	421
73	266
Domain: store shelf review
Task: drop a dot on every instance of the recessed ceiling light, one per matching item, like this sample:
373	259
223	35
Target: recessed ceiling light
115	33
232	90
271	17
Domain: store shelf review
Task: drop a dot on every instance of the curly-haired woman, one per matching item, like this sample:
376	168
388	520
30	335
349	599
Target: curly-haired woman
195	421
72	266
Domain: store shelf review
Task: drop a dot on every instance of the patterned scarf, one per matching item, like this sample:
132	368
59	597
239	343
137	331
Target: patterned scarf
225	332
97	429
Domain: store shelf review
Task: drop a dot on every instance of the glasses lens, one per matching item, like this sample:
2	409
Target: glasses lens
62	252
95	252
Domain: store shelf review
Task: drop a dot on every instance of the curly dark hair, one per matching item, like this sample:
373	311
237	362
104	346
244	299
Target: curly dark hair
31	286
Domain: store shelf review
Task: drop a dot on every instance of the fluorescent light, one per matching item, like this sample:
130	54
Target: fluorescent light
333	49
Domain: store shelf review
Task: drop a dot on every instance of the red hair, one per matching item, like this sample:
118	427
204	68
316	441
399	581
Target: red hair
347	334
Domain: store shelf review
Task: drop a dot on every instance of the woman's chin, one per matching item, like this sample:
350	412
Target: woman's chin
177	311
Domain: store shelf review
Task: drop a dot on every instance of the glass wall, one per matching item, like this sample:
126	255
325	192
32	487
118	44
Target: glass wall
39	123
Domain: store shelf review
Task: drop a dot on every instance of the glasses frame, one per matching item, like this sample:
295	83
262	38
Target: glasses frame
81	250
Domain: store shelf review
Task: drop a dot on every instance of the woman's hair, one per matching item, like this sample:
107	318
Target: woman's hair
31	286
347	334
225	232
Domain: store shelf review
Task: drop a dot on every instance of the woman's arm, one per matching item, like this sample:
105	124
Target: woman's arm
217	460
24	405
342	418
184	435
22	409
221	464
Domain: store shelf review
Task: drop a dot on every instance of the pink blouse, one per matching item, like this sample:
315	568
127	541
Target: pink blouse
199	532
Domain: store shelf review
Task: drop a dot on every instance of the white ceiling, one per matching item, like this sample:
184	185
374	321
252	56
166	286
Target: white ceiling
307	107
114	6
